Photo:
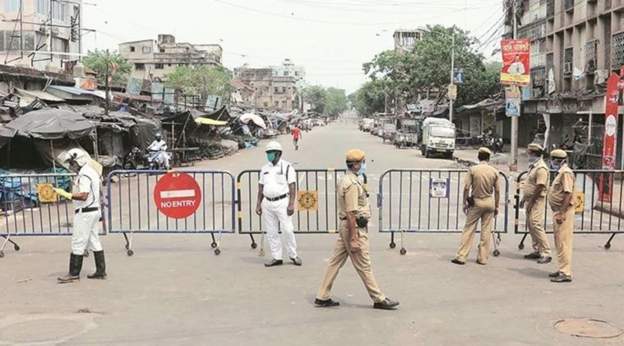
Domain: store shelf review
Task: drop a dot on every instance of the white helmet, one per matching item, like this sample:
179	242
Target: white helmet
273	146
80	156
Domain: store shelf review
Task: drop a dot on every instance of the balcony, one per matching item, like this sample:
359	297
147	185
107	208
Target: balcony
617	51
568	5
568	62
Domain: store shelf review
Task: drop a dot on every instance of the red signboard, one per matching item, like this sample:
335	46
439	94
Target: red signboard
609	144
516	62
177	195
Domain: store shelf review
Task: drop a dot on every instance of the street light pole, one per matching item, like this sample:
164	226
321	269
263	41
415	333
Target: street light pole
513	164
451	97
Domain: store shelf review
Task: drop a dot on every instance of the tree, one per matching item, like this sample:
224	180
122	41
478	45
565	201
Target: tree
118	67
201	80
316	96
369	99
335	101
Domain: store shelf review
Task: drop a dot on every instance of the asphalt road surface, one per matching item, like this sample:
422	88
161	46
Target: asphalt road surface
175	291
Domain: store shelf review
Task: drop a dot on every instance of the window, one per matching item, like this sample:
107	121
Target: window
276	103
276	90
296	74
139	67
132	49
43	7
11	5
169	65
58	10
285	73
159	66
162	50
147	50
266	104
284	89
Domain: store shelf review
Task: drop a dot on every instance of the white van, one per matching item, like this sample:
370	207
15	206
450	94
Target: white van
438	137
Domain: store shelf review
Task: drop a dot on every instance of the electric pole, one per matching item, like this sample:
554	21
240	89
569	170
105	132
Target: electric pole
452	97
513	164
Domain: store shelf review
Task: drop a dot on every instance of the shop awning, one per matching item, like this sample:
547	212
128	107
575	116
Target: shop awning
42	95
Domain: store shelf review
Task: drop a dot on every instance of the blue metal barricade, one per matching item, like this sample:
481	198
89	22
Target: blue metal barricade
429	201
132	205
601	213
320	219
23	213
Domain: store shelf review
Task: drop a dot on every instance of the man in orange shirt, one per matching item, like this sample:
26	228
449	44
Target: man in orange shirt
296	135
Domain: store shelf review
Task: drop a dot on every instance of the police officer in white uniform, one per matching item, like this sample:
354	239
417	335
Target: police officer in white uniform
276	204
87	214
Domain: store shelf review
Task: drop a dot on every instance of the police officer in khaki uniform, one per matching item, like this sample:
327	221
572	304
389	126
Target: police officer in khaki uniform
534	189
481	200
562	204
354	213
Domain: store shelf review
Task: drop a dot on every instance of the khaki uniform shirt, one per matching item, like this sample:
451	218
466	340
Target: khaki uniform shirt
352	196
563	183
483	179
538	175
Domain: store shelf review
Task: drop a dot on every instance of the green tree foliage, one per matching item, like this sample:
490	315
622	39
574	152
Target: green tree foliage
201	80
428	66
97	60
369	99
328	101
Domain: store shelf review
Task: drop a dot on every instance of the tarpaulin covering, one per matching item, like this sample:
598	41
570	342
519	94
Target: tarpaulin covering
6	134
52	123
208	121
256	119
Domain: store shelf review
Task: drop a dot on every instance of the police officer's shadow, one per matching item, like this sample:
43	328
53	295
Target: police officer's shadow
531	271
344	304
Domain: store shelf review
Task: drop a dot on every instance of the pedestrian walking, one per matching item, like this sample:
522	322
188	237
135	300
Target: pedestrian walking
562	204
276	204
354	213
296	136
87	214
481	200
534	197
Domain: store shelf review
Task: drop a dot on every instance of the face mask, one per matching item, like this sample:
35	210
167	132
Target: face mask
271	156
555	165
362	170
533	159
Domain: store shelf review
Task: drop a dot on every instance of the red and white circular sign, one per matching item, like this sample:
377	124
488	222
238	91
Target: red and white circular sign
177	195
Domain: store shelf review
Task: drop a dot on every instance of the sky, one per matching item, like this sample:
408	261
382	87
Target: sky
330	38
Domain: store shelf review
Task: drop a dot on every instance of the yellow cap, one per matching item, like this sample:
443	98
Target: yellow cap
558	154
355	155
535	147
484	150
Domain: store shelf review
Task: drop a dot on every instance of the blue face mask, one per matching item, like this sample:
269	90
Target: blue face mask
271	156
555	165
533	159
362	170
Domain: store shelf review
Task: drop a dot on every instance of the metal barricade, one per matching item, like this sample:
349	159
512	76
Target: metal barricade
598	215
132	206
429	201
24	214
320	184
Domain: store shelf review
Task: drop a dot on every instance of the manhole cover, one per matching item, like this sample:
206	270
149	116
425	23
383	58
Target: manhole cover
588	328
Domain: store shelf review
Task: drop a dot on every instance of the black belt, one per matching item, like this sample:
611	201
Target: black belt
276	198
87	210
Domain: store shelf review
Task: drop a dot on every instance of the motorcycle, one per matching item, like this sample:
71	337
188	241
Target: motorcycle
137	159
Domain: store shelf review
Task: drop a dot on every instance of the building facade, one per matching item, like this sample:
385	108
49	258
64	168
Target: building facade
154	59
405	39
275	88
44	34
575	46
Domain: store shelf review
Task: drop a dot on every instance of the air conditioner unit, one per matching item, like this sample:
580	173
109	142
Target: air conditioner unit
567	68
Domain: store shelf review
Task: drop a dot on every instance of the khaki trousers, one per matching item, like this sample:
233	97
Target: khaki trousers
564	235
361	262
482	210
535	221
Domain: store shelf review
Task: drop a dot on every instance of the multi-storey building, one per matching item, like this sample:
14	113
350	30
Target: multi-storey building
575	46
155	59
45	34
275	88
405	39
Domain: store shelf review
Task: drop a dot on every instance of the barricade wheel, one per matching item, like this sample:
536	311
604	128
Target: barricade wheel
392	245
403	251
254	245
213	245
496	253
16	247
607	246
127	247
130	253
217	252
521	246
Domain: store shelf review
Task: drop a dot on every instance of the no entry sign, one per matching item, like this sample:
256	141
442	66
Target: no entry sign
177	195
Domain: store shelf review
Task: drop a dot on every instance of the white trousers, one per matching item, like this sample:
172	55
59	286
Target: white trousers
275	218
85	234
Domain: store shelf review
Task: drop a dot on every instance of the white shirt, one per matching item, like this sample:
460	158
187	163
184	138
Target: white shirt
88	181
276	178
156	145
516	68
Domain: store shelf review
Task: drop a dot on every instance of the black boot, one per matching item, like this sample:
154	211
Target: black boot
75	266
100	266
